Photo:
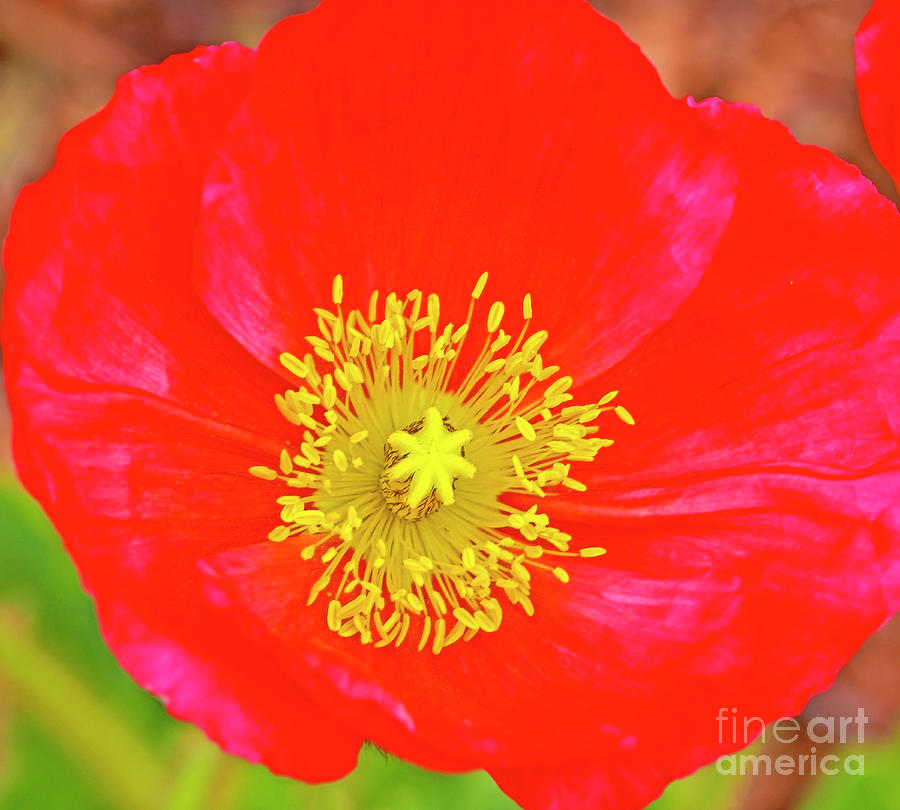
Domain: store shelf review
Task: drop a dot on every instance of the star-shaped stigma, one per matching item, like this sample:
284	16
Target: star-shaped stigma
433	459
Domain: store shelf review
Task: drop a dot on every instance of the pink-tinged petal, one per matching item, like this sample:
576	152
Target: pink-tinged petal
149	490
137	416
754	609
785	358
877	69
100	249
209	675
765	459
554	159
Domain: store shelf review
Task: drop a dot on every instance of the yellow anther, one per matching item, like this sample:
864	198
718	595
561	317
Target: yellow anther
293	364
426	629
624	415
279	533
525	428
434	311
440	631
465	617
460	333
495	316
373	305
531	346
500	341
479	286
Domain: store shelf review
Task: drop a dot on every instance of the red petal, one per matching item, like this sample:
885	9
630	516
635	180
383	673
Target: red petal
785	359
268	584
877	68
136	416
147	491
419	148
99	250
234	691
764	460
632	783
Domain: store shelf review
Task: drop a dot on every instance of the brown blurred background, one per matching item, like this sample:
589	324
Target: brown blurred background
793	58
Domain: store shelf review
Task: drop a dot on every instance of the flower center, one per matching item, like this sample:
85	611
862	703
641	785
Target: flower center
396	483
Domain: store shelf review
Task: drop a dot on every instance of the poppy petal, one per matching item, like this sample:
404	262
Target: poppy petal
118	376
877	67
555	160
784	359
766	449
148	491
99	252
208	675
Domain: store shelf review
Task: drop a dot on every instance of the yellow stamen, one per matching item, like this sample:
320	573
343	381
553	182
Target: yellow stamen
396	476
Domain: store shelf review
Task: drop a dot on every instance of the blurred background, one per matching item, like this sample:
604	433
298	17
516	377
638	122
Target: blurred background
75	732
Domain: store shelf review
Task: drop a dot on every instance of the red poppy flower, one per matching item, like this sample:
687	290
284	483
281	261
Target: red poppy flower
877	66
405	545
